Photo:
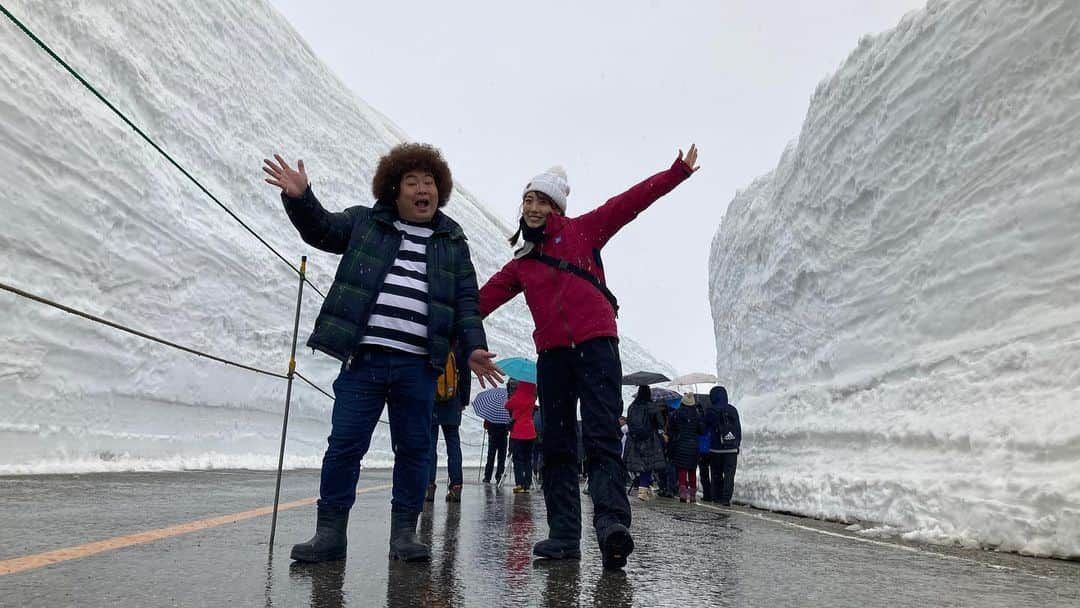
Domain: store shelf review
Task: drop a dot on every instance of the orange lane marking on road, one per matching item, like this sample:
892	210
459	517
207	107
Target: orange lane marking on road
40	560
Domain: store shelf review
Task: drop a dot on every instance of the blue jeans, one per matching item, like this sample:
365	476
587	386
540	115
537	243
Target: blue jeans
645	479
406	383
453	454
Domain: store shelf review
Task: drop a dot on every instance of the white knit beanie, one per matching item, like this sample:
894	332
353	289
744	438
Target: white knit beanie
552	183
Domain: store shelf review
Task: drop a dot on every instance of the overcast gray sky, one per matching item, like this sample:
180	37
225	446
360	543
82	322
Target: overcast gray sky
610	90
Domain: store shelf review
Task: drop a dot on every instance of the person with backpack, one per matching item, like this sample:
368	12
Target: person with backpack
645	441
451	398
404	289
704	444
496	452
723	420
559	268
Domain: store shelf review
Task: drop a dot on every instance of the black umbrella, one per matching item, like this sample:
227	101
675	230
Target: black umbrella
644	379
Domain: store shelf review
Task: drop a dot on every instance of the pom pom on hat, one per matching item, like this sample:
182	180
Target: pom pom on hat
551	183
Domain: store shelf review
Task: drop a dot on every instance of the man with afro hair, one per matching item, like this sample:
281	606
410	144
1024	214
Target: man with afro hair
404	292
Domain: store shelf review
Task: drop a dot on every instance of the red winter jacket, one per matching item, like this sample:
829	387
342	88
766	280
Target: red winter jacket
568	310
521	405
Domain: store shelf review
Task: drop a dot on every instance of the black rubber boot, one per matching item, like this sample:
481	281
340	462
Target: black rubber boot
615	544
553	548
330	540
403	542
563	501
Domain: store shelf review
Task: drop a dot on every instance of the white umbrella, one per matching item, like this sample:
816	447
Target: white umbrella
694	378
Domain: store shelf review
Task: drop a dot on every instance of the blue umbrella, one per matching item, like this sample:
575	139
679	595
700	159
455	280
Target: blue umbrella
670	398
491	405
663	394
519	368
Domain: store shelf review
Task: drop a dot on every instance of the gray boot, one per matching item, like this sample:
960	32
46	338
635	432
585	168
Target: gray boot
330	540
403	542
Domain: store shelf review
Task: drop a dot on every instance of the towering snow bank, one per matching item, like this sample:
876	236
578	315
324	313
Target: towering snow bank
96	218
897	305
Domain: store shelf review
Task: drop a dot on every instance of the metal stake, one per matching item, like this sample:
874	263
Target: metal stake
288	399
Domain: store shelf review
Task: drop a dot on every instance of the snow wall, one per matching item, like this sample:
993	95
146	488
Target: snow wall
95	218
897	304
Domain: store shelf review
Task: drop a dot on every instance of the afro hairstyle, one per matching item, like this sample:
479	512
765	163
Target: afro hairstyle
404	158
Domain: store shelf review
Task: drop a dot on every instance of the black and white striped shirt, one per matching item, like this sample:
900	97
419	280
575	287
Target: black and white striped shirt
400	317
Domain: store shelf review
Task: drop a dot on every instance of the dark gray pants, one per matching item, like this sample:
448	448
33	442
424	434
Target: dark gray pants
591	372
705	476
496	453
723	476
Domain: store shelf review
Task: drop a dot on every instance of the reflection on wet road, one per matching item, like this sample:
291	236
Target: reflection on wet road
686	555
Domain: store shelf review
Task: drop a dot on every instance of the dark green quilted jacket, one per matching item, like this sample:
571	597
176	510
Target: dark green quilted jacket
368	243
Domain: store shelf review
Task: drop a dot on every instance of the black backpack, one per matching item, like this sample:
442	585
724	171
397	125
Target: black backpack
639	422
724	425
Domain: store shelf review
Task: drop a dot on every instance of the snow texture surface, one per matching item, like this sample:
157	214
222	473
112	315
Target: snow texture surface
897	304
95	218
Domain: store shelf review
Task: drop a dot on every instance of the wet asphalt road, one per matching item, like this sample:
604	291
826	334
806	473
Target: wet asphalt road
686	555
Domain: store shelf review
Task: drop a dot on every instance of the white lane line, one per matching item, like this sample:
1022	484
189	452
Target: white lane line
871	541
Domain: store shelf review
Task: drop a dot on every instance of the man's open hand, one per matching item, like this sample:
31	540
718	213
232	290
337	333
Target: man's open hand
482	364
292	182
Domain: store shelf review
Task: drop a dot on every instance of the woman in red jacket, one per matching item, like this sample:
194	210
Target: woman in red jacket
521	403
558	267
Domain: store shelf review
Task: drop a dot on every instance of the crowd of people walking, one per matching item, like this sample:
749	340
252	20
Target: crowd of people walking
668	443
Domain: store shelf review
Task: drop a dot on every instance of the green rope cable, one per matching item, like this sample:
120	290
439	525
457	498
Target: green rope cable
161	151
381	421
323	391
135	332
186	174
